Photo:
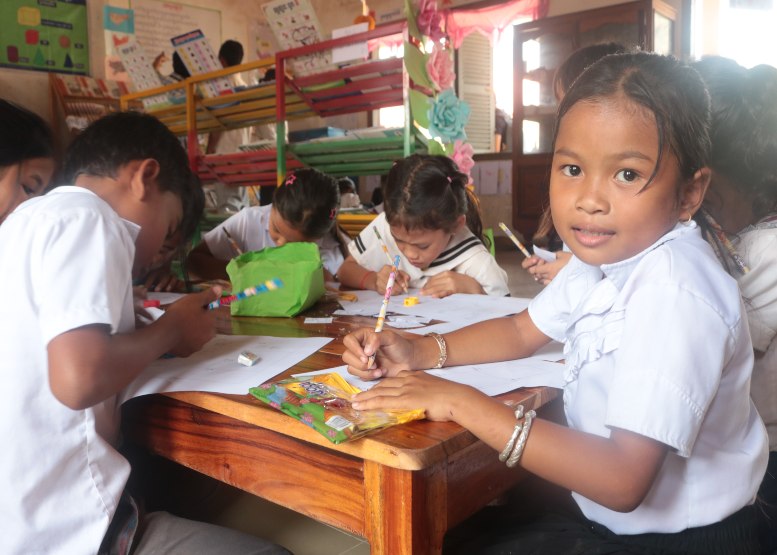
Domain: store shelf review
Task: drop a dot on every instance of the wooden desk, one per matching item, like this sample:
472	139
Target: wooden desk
401	488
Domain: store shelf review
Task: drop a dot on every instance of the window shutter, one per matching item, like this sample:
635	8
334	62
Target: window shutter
475	81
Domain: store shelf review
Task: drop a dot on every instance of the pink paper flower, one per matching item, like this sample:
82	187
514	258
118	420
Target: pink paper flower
429	19
462	155
439	68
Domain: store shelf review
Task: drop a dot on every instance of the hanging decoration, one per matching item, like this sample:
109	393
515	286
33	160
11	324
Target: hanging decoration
434	106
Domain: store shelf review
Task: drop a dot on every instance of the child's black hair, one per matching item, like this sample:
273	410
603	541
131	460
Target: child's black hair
231	53
308	200
744	128
23	135
670	90
122	137
579	60
179	68
429	192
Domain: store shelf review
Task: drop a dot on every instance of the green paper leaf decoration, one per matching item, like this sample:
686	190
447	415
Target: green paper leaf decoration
437	148
419	108
415	63
412	26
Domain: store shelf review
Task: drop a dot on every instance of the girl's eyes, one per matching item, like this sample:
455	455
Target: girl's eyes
28	190
627	176
570	170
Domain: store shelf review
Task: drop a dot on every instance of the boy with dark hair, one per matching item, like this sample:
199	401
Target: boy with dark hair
231	53
70	344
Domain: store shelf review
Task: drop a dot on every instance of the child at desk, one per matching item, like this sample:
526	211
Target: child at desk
742	205
304	208
432	219
665	450
70	345
26	156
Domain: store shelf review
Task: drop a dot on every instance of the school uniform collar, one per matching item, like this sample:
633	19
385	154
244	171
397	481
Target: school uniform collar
619	272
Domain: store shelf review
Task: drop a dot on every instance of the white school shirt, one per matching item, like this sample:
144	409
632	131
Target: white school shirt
758	247
250	228
464	254
659	345
65	262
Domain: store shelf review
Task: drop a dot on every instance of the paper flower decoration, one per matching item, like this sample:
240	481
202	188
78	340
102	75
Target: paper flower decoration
429	19
462	155
439	68
448	116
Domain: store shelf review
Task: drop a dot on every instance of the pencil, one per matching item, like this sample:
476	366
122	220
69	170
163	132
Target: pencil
232	242
514	239
388	255
268	285
384	306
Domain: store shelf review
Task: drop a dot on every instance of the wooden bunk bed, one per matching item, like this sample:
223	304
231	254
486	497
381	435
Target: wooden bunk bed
246	106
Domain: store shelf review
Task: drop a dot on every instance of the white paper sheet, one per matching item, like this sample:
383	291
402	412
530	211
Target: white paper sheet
215	367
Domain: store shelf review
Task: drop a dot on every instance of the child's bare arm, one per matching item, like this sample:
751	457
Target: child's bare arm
204	265
616	472
88	364
351	274
450	282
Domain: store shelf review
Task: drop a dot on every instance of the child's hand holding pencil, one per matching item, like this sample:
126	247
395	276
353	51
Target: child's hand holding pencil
400	280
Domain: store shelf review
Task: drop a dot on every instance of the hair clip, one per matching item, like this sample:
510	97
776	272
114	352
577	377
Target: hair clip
332	213
449	179
291	179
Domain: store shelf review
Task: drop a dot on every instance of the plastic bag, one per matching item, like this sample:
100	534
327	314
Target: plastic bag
322	401
297	265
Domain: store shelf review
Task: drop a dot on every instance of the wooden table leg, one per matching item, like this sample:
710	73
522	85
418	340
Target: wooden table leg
406	512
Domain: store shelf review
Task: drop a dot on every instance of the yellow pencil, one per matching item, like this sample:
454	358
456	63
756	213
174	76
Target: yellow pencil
514	239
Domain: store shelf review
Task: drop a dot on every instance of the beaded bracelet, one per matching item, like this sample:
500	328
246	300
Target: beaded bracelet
443	346
521	443
518	424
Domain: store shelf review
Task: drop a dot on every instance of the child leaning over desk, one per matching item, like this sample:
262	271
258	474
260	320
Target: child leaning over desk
304	208
664	450
432	219
70	345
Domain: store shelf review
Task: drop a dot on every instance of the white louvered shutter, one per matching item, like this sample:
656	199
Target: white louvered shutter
474	73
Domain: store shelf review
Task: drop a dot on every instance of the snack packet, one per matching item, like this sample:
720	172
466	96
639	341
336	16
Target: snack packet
323	402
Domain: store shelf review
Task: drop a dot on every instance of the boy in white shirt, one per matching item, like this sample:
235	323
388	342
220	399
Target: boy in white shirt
70	345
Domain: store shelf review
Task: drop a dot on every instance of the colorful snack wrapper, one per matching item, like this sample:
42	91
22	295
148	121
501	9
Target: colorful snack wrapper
322	402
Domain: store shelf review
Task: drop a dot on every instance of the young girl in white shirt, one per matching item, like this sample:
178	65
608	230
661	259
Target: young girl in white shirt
304	209
664	450
742	203
432	220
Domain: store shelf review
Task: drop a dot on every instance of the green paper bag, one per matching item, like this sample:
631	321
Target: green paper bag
297	265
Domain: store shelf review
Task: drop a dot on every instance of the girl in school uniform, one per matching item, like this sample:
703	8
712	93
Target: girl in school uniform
432	220
304	208
26	156
741	207
664	450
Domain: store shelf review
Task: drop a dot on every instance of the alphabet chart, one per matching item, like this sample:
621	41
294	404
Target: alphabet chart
198	57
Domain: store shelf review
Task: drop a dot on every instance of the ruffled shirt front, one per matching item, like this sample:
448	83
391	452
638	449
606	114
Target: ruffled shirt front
659	345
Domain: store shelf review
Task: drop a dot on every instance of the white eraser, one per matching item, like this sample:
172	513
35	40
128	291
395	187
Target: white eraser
247	358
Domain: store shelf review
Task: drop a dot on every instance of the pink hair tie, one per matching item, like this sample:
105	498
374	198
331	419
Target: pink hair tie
291	179
449	179
332	214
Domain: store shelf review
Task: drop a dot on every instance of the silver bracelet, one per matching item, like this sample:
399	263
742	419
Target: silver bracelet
518	424
443	349
521	443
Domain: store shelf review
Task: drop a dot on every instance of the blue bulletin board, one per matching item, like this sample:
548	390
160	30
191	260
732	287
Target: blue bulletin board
44	35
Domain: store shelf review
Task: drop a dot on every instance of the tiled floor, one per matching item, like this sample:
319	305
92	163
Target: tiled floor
302	535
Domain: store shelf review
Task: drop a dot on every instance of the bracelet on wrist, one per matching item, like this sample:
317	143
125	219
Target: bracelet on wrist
515	456
443	349
364	278
511	442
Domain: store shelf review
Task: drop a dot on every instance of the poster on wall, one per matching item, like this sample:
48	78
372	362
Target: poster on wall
157	22
294	23
44	35
119	29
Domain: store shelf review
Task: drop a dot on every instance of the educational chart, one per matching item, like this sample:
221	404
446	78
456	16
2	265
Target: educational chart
198	57
294	23
141	72
119	30
44	35
157	22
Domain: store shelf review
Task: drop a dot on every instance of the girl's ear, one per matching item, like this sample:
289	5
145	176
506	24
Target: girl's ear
144	178
460	222
693	193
